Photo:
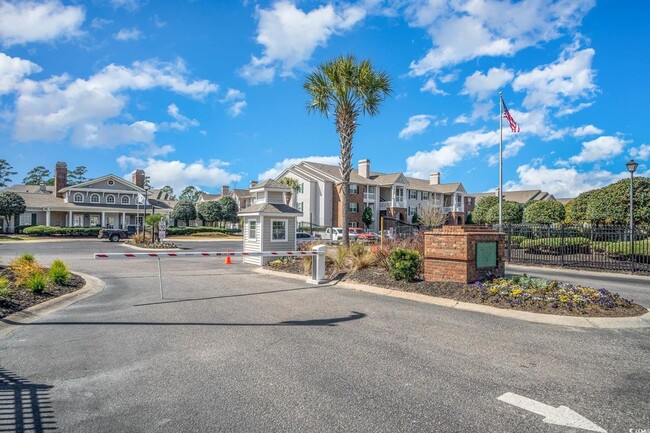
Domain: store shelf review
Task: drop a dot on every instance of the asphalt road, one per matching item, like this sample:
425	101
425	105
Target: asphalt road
232	350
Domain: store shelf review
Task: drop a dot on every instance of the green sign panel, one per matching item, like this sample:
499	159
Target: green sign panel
486	255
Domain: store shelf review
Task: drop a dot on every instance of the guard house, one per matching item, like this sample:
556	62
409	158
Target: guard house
268	224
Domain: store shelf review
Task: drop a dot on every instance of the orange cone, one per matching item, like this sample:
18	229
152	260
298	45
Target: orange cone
228	261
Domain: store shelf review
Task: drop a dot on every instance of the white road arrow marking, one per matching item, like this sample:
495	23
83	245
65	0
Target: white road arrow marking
560	415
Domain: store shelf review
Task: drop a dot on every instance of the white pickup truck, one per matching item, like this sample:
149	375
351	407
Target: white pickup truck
334	234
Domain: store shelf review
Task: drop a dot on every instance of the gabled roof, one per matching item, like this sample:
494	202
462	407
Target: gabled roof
523	196
441	188
270	184
334	173
269	208
389	179
100	179
204	196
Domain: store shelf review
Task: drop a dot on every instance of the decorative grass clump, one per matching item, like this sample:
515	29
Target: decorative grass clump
5	287
23	268
59	272
528	291
37	282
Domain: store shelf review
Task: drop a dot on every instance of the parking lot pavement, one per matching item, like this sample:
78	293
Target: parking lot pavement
231	350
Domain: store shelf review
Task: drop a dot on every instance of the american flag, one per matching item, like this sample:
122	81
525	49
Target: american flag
513	125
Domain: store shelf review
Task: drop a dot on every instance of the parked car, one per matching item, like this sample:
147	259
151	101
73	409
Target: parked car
115	235
334	234
359	234
304	238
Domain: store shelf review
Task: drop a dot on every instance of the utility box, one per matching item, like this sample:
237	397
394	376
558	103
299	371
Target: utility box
269	224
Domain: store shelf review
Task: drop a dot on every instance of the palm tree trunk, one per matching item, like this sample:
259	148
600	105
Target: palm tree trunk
346	125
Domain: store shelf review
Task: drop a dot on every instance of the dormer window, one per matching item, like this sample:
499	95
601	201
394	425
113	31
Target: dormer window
111	182
94	198
110	199
126	199
78	198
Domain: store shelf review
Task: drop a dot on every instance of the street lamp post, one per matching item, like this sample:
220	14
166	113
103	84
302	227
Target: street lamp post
631	167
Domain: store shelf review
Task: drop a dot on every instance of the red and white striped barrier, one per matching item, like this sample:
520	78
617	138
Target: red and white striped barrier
203	254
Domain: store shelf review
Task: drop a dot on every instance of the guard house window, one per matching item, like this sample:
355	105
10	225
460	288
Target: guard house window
126	199
353	207
353	188
252	230
413	195
78	198
278	230
94	198
110	199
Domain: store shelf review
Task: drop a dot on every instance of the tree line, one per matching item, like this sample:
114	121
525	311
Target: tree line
40	175
607	205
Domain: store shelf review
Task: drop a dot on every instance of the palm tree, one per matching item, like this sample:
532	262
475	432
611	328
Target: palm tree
291	183
346	88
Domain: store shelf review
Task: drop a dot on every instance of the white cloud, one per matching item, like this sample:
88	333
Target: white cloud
561	182
290	36
236	99
22	22
279	167
181	122
602	148
98	23
480	86
178	174
561	82
465	30
565	111
12	72
86	109
453	150
125	34
129	5
586	130
431	86
158	22
642	152
511	149
416	125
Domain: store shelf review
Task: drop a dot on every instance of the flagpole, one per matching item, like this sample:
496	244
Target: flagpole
500	160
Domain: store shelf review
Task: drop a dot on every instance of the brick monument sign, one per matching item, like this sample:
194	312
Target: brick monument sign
463	254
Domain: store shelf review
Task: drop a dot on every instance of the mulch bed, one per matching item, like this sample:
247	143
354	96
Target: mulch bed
380	277
21	299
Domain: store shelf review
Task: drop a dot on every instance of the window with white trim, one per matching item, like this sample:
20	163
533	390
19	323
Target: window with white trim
78	198
111	182
459	199
77	220
302	188
94	221
353	224
252	230
300	206
126	199
413	194
353	207
353	188
110	199
94	198
279	230
425	195
25	219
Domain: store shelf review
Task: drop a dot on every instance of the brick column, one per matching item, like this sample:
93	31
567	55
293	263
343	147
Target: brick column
450	253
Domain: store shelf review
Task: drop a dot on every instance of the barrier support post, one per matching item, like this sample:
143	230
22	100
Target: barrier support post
160	278
318	265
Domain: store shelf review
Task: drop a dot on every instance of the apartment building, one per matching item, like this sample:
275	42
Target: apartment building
393	195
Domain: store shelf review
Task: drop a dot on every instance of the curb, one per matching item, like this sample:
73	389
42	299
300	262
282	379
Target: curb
635	322
93	286
577	273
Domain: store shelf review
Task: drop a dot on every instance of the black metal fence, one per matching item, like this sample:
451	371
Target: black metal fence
583	247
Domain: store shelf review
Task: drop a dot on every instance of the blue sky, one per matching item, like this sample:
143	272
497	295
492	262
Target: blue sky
209	93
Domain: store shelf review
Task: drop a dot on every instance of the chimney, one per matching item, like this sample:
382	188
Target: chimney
253	183
434	178
364	168
42	187
137	177
60	178
225	190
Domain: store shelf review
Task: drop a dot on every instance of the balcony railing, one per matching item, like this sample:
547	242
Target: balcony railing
369	196
454	208
399	203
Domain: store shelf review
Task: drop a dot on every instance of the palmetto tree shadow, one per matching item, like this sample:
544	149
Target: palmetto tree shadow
24	406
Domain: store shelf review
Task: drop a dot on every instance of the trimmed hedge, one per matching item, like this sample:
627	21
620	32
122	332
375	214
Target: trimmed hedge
569	245
61	231
183	231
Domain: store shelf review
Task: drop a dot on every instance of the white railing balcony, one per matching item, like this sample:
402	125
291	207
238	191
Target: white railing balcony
454	208
369	196
383	205
399	203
